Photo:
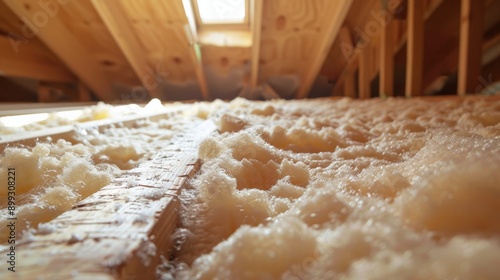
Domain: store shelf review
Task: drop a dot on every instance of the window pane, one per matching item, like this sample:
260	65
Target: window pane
222	11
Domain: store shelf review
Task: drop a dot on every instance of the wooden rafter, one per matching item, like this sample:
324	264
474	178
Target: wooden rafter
195	55
256	29
30	62
195	52
328	34
114	18
471	42
58	38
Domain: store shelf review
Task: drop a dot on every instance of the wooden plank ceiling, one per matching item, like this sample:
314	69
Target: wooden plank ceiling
135	50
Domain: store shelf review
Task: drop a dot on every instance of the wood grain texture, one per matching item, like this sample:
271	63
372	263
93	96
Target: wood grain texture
291	34
225	59
112	15
159	27
121	231
81	18
328	33
31	61
62	40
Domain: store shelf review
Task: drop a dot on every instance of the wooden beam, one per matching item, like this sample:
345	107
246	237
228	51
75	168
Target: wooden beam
113	16
415	51
60	40
364	80
387	60
98	240
30	62
470	48
327	34
194	50
256	30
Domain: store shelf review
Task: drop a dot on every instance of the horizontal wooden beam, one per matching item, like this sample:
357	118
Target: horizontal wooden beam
30	62
60	40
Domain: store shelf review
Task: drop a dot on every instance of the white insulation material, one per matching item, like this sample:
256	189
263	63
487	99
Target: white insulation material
378	189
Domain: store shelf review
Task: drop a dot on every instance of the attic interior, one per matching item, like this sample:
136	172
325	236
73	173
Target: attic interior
132	51
249	139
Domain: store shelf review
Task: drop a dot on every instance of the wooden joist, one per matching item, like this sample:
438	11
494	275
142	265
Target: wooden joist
30	62
58	38
121	231
329	32
114	18
415	51
471	43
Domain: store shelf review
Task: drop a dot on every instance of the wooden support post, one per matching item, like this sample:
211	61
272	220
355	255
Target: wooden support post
364	80
256	34
415	51
471	42
387	60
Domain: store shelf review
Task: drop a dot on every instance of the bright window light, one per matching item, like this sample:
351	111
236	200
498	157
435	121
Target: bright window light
222	11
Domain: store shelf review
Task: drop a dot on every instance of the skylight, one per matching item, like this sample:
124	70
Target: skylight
222	11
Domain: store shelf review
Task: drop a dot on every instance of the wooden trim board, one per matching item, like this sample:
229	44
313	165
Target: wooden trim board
121	231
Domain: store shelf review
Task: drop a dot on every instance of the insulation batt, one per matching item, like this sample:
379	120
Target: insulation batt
53	176
345	189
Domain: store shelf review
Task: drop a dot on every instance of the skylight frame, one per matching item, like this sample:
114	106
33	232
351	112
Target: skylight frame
221	25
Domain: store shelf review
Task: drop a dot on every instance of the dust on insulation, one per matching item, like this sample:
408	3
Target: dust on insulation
315	189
